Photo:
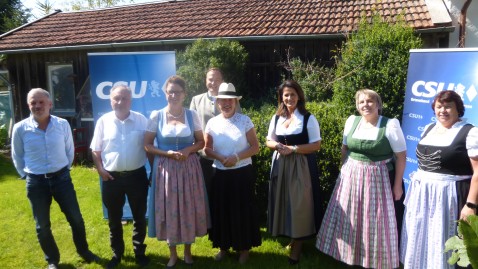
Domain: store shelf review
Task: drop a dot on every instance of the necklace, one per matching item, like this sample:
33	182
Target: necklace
176	117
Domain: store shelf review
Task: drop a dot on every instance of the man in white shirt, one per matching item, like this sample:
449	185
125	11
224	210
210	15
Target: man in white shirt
43	152
119	157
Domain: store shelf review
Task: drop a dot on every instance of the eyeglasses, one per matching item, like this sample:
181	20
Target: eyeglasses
171	93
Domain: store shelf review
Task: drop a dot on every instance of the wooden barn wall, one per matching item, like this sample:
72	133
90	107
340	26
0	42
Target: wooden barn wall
29	71
268	61
264	72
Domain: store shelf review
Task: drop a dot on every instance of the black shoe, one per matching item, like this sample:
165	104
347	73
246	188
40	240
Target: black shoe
142	260
113	262
53	266
90	257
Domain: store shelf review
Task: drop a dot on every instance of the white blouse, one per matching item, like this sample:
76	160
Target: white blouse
171	130
295	127
393	133
441	136
229	137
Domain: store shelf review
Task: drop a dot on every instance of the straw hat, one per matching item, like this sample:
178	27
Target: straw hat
227	90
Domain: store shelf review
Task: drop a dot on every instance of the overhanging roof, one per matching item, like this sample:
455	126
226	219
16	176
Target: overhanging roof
184	21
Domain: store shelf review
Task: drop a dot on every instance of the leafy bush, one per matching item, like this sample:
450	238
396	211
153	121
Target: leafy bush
375	57
3	136
465	245
331	122
261	118
229	56
316	80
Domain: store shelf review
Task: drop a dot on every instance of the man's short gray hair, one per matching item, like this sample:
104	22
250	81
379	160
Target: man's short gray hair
38	90
122	87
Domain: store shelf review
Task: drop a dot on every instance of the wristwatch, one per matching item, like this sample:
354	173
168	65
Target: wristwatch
471	205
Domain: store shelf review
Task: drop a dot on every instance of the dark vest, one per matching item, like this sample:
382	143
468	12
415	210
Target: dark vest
294	139
450	160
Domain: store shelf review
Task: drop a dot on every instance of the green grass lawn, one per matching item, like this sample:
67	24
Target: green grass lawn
19	247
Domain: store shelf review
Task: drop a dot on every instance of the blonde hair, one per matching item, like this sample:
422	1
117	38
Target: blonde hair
369	93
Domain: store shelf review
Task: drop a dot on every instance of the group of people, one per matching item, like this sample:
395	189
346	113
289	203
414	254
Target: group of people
202	180
363	226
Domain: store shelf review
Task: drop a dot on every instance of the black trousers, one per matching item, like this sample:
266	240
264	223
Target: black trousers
134	186
208	172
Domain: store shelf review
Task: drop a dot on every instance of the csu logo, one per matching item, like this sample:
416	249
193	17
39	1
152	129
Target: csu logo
412	138
415	116
103	88
428	89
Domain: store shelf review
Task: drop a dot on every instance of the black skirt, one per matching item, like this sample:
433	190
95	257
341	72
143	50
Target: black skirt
234	215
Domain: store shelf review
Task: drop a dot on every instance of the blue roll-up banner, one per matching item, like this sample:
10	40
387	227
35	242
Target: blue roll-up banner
429	72
144	72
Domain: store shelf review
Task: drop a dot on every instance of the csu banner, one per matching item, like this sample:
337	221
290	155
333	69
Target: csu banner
144	72
429	72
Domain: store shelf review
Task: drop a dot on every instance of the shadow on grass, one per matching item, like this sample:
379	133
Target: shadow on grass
7	168
310	257
259	258
256	260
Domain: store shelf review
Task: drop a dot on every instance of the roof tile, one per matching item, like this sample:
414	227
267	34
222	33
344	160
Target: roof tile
188	19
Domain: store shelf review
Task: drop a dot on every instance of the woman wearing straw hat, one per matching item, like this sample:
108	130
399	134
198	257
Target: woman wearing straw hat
231	141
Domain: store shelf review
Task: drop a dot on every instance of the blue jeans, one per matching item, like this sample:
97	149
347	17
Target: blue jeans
40	191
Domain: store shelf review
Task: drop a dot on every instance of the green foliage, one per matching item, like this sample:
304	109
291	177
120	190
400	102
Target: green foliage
261	118
12	15
331	123
464	247
459	251
3	136
316	80
376	57
229	56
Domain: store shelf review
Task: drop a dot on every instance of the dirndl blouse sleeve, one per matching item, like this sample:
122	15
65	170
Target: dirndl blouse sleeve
472	142
196	121
271	128
313	129
153	121
395	136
